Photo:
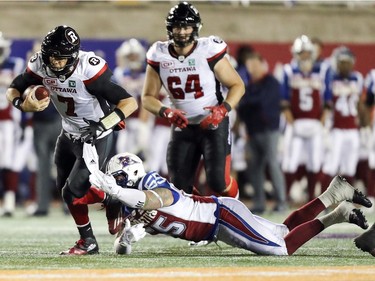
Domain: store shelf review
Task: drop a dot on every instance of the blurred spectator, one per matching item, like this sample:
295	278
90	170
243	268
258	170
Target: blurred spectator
302	108
318	49
243	52
10	128
158	142
343	88
369	124
320	61
47	127
130	74
260	110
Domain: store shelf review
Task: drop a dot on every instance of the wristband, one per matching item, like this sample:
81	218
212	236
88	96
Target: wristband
17	103
112	119
227	106
162	110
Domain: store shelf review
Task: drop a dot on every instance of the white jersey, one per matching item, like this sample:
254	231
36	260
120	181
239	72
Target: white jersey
70	97
189	217
190	81
197	218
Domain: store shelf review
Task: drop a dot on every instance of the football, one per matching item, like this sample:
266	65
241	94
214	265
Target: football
38	92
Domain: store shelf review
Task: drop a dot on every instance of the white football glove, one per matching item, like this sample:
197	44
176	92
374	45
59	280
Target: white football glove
129	235
106	183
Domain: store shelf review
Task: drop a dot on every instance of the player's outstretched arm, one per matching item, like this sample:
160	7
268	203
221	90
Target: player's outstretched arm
133	198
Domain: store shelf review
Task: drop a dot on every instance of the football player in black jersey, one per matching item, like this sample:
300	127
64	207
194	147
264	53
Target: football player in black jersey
91	107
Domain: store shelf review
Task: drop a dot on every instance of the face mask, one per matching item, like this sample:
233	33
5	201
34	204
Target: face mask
305	65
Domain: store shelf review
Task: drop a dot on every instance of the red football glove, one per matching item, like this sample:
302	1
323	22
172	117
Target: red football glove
120	126
218	113
174	116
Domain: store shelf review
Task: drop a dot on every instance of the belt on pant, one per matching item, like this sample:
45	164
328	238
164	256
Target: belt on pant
75	138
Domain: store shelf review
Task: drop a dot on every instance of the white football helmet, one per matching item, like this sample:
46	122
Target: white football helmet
302	43
131	54
4	48
126	168
303	52
343	60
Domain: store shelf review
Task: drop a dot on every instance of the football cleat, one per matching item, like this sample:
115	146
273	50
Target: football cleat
87	246
115	215
348	213
199	244
356	217
341	190
366	241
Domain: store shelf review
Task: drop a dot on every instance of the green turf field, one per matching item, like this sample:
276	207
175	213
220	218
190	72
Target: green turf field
34	243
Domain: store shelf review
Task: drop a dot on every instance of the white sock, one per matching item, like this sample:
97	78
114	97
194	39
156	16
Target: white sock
327	198
9	201
333	217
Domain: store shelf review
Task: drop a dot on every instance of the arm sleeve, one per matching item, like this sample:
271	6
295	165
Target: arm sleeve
369	98
24	80
104	87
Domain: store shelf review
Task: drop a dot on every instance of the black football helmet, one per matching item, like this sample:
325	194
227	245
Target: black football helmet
61	42
183	14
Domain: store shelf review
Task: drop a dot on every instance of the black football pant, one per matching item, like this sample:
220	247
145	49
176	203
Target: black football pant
186	148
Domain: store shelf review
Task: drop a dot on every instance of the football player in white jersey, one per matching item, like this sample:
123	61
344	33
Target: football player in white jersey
191	69
160	207
90	105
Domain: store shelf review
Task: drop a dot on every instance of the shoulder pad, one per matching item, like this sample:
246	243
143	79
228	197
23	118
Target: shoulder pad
213	45
90	63
155	49
35	62
217	39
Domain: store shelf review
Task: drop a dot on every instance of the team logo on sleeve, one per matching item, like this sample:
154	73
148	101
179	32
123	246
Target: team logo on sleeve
34	57
217	40
94	61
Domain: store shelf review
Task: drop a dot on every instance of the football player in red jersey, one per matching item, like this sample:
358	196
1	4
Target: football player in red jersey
302	102
192	70
156	204
90	105
10	128
343	89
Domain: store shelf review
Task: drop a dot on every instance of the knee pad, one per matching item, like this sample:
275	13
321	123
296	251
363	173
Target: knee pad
67	195
217	184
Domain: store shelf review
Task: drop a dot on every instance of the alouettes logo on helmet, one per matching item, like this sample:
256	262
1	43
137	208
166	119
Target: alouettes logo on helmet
126	161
